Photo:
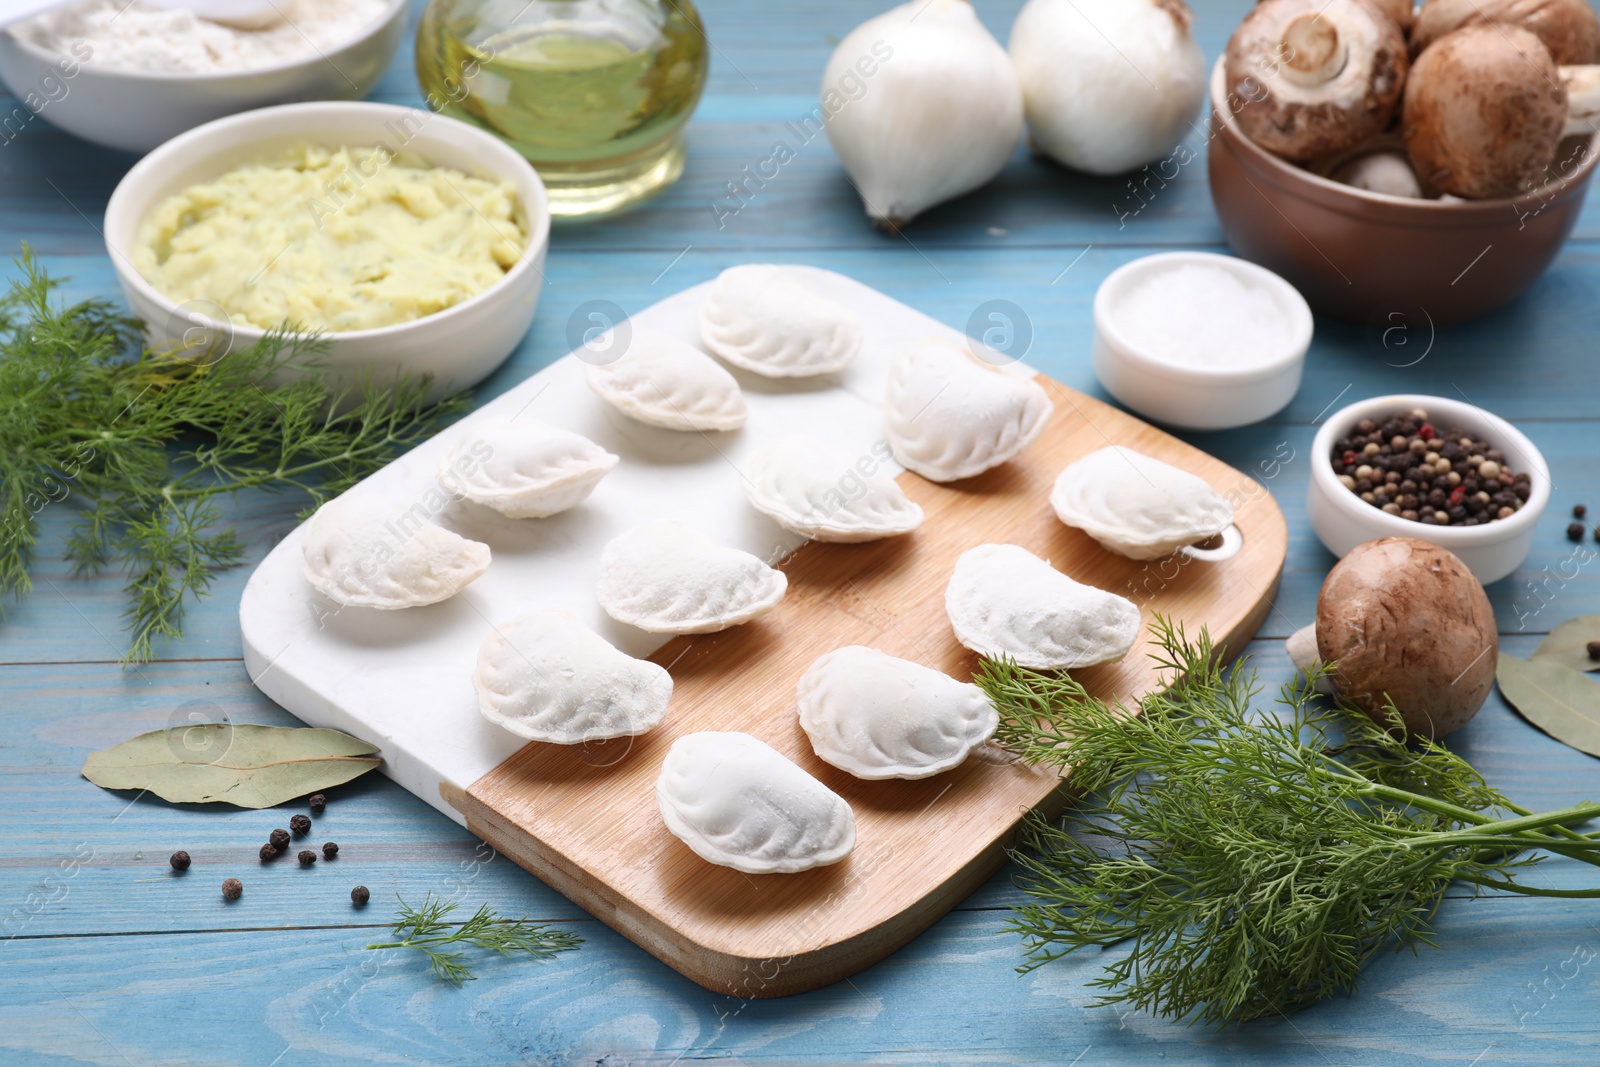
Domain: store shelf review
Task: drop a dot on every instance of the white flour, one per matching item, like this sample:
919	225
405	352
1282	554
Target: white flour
129	36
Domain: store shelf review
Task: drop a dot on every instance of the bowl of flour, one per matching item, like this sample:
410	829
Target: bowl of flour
131	77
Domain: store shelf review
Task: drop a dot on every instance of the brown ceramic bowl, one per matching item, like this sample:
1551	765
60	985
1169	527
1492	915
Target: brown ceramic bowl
1369	257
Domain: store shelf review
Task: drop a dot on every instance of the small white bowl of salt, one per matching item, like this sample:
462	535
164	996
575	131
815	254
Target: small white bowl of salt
1200	341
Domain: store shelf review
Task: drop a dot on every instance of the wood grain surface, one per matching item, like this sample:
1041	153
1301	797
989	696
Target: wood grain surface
585	819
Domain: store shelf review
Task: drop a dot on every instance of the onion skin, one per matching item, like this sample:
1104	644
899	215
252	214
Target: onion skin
1570	29
1404	621
1484	110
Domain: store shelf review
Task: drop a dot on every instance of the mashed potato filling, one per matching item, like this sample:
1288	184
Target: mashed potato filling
332	239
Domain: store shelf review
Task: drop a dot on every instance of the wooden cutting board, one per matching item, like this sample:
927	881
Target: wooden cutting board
584	818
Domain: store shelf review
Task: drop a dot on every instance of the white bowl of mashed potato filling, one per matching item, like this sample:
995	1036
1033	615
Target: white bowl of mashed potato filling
130	76
410	241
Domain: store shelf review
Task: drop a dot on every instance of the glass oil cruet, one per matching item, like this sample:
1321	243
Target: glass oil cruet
595	93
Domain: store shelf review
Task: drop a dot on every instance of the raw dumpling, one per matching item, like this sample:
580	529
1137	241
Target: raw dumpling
546	676
950	415
818	491
760	318
1005	601
371	553
1137	506
877	716
526	470
663	382
666	578
739	803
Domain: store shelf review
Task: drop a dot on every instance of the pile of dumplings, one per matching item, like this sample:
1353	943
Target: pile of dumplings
948	415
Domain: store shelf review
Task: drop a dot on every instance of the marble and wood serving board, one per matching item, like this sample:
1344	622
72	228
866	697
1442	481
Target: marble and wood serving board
584	818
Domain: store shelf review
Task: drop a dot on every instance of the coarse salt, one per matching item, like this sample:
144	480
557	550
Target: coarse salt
1203	317
154	40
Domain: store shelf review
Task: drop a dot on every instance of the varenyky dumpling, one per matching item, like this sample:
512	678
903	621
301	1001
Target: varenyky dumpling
738	802
761	318
819	491
368	552
950	415
878	716
667	578
1005	601
660	381
546	676
1138	506
525	470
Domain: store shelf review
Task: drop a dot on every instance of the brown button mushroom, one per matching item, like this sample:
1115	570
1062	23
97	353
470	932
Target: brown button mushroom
1405	622
1485	108
1313	78
1570	29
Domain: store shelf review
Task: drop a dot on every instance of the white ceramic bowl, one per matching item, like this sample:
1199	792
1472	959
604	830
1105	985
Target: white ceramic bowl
1343	520
1191	397
458	346
138	110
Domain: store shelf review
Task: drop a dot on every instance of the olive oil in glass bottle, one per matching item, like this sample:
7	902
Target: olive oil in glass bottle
595	93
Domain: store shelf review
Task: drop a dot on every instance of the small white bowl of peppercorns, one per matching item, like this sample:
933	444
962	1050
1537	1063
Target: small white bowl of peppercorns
1432	468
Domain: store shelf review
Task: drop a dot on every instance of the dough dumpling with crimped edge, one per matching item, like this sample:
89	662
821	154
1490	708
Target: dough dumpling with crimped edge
950	415
1005	601
1138	506
818	491
668	578
763	319
738	802
524	470
878	716
661	381
370	552
547	677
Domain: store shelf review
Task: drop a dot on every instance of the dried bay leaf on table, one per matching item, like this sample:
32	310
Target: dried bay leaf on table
1569	644
1562	702
246	765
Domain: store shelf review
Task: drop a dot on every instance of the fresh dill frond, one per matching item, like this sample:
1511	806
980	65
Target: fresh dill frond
142	444
426	930
1250	861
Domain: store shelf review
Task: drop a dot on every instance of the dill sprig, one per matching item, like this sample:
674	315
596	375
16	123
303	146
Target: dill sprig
1251	860
426	930
144	444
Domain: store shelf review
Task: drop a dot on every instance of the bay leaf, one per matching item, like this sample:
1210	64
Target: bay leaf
1562	702
246	765
1568	643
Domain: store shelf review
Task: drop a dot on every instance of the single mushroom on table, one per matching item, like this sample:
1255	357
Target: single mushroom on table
1310	79
1569	28
1404	622
1486	108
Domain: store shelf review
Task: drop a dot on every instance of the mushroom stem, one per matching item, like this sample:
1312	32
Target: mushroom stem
1313	51
1302	649
1583	99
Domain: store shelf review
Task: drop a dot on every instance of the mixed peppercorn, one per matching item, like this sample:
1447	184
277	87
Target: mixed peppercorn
1408	468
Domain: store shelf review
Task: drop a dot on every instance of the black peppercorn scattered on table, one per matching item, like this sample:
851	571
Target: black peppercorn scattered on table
330	850
179	861
1579	511
301	825
232	888
307	857
359	896
1593	648
317	802
268	852
279	839
1406	467
1575	531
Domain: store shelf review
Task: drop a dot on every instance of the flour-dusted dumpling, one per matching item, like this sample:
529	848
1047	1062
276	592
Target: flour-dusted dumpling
1138	506
366	551
526	470
819	491
663	382
878	716
546	676
761	318
950	415
1005	601
738	802
667	578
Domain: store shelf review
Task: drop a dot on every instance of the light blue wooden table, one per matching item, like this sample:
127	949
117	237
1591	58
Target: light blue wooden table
109	959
